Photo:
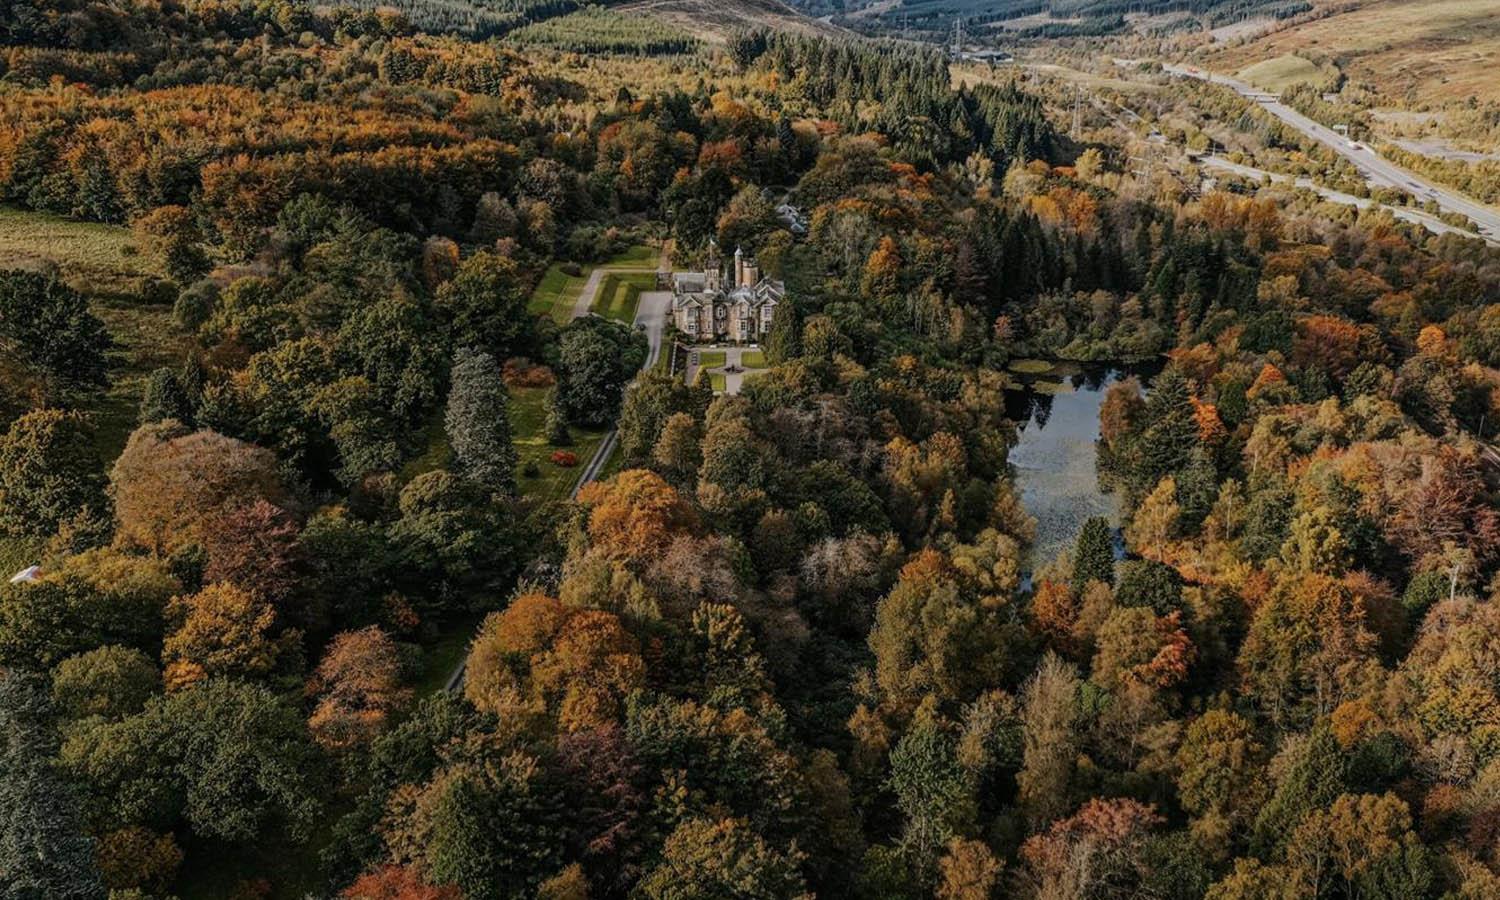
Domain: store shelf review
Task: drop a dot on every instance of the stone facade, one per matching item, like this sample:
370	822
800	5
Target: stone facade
714	305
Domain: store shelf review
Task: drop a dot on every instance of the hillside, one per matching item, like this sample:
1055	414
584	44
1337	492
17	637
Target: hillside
1411	51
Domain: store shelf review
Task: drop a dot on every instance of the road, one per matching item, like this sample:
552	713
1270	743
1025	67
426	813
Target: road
650	316
1417	217
1377	170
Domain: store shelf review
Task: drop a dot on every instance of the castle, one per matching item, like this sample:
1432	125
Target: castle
704	308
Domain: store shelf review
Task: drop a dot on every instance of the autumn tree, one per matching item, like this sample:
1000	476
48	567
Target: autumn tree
1099	848
171	235
398	883
169	482
358	686
1308	647
538	658
1050	718
937	632
254	547
704	858
1219	776
224	630
636	514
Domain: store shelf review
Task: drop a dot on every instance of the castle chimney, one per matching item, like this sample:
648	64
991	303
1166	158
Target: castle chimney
752	273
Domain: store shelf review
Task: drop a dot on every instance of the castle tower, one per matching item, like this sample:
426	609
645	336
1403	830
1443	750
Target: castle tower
739	267
713	269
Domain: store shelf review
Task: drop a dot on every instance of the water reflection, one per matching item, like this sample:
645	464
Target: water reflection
1054	458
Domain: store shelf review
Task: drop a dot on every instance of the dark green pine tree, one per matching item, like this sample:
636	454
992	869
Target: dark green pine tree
1197	489
1314	781
478	422
782	343
44	851
785	136
1094	557
1166	443
556	425
166	398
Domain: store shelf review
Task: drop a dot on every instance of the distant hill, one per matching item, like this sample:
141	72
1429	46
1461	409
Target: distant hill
713	20
1049	18
709	20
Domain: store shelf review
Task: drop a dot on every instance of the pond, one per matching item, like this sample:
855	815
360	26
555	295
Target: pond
1057	412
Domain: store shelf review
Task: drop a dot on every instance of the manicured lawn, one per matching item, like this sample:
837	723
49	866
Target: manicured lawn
443	655
716	380
556	293
711	359
620	294
753	359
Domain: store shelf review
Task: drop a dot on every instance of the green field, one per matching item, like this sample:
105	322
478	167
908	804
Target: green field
620	294
753	359
716	381
711	359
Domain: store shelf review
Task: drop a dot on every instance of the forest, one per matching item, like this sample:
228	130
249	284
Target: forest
281	432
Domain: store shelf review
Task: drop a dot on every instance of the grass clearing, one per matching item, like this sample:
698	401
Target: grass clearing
638	256
1412	51
753	359
716	381
557	291
441	657
93	258
711	359
528	420
1283	72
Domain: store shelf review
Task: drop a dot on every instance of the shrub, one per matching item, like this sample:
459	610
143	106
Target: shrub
567	459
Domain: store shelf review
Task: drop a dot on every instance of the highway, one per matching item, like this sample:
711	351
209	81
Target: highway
1415	216
1378	171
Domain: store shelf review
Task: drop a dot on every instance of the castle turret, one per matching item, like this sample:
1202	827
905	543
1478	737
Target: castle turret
739	267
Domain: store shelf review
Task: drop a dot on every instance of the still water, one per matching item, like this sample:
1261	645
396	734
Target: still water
1058	417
